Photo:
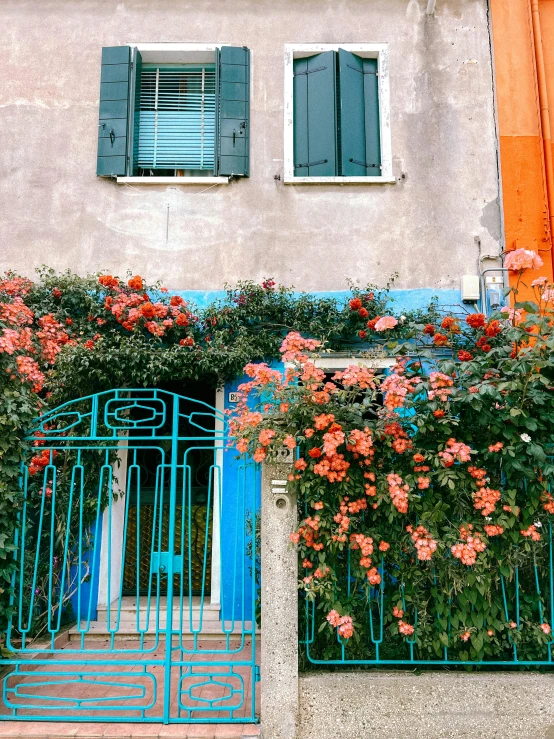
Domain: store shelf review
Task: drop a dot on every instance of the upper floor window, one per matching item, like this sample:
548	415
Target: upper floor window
177	120
337	120
174	113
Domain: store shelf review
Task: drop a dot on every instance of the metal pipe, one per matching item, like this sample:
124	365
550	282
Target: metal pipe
545	114
431	6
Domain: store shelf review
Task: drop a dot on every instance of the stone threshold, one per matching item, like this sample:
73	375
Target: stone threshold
62	730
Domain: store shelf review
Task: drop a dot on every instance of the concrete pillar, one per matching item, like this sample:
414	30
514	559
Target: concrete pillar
279	561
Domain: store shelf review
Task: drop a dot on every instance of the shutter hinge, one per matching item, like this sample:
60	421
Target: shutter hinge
363	164
311	164
257	676
310	71
361	71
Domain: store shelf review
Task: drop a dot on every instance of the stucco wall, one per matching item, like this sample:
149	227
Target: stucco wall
56	211
437	705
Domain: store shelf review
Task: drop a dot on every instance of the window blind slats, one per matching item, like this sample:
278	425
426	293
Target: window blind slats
177	119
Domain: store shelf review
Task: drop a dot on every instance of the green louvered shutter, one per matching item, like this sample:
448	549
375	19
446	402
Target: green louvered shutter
115	85
360	146
233	120
314	115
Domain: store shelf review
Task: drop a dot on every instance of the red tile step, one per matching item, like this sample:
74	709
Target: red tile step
62	730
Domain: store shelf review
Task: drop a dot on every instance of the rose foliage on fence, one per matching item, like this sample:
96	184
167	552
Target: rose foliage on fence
431	482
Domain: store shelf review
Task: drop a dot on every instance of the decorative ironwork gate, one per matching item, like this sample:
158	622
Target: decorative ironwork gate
98	635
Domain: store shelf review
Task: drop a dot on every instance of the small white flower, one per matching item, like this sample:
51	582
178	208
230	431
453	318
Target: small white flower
525	437
488	518
537	524
402	319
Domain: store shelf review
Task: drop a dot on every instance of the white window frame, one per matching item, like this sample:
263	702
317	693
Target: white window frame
170	53
368	51
332	363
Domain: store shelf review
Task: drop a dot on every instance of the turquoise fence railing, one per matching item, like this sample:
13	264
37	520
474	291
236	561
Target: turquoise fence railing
524	593
136	577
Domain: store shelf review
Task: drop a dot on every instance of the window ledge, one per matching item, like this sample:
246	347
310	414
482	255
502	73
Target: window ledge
339	180
173	180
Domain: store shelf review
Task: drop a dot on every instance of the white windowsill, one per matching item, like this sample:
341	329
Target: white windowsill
173	180
339	364
339	180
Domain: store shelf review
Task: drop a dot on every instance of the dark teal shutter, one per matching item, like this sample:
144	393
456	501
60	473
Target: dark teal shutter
233	107
360	146
113	134
314	114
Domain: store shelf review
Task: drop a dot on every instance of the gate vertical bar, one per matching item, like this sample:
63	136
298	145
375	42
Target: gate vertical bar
170	558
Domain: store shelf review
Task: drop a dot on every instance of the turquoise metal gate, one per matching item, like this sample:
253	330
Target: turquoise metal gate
181	645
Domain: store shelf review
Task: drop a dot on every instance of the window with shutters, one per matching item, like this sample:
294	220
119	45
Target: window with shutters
337	114
174	113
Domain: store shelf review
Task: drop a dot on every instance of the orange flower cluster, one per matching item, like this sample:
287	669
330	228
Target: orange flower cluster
405	629
423	541
136	309
42	460
398	492
476	320
396	387
322	421
333	468
355	376
262	374
110	282
52	337
16	313
451	324
361	442
548	502
332	439
294	347
342	623
363	543
473	544
308	531
12	340
493	530
401	443
479	475
441	386
455	451
531	532
15	286
29	371
485	500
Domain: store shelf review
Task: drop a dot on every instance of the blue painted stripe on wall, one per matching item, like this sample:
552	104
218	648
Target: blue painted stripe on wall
404	300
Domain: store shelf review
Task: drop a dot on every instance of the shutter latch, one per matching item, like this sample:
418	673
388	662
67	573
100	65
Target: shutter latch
361	71
311	164
363	164
310	71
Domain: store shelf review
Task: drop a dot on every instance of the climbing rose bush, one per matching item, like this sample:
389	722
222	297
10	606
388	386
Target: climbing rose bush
425	496
65	336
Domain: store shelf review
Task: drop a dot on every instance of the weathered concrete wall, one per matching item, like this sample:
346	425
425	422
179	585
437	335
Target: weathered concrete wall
436	705
279	596
56	211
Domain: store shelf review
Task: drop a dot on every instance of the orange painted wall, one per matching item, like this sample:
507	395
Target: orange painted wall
524	187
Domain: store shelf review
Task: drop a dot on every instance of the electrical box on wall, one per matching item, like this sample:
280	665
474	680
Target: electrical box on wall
470	288
494	285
